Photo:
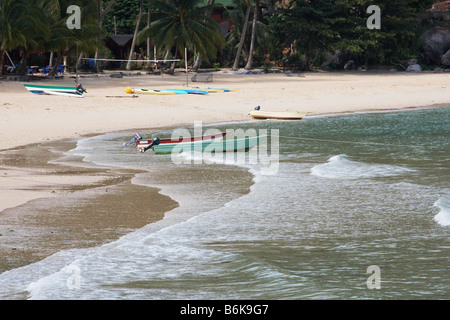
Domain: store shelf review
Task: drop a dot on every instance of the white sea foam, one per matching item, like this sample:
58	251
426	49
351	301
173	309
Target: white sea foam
340	167
443	217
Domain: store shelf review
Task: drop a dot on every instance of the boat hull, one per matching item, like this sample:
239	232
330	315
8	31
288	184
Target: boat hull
149	91
283	115
215	89
209	146
54	90
142	144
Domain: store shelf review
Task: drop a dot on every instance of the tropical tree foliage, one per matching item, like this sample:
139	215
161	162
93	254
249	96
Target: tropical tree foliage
318	26
40	25
22	25
121	17
181	24
263	29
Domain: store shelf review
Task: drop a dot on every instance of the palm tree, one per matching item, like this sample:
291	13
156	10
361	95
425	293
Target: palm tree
22	26
9	36
243	35
210	4
133	44
101	13
64	40
184	24
248	66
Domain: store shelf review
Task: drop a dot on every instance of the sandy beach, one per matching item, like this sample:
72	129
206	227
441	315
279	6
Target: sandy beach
35	131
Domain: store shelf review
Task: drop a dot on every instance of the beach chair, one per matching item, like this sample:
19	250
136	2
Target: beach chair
10	68
60	70
45	70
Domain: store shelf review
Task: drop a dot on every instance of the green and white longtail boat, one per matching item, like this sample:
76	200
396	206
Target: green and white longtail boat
76	91
210	146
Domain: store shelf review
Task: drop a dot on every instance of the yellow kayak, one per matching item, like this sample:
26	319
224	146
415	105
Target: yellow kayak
149	91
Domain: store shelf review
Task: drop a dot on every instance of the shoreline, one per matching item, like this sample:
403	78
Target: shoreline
29	118
65	204
32	184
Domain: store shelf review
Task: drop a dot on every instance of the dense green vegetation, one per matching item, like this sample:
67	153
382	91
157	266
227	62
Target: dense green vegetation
262	34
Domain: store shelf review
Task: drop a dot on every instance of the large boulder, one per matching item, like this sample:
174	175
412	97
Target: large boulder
436	42
445	59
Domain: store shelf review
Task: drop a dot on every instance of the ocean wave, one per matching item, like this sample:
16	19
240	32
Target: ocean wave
443	217
340	167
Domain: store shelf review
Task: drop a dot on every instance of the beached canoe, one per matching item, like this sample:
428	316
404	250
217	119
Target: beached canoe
282	115
209	146
216	89
206	90
194	90
141	145
76	91
149	91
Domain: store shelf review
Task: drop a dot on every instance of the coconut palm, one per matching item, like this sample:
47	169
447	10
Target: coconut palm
64	40
249	64
22	26
136	30
184	24
247	3
101	13
9	36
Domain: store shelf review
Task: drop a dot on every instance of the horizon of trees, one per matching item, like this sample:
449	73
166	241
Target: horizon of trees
264	33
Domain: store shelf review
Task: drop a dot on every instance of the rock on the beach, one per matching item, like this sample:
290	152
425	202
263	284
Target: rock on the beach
350	65
414	68
435	42
445	60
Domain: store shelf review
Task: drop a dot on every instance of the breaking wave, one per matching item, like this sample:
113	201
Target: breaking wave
340	167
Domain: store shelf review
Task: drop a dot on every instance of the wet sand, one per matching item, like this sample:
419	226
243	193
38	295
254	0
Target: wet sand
71	206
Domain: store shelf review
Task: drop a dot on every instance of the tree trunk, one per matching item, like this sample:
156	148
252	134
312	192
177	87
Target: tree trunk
164	63
198	60
197	63
55	67
101	15
21	69
133	44
174	63
2	61
148	38
50	61
252	43
241	42
172	67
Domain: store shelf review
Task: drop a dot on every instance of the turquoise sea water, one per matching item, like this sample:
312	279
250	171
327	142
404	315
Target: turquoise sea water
349	193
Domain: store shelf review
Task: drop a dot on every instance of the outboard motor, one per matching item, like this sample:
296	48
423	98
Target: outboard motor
136	137
80	88
155	142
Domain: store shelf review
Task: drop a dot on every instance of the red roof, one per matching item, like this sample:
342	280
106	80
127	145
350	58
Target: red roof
441	6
